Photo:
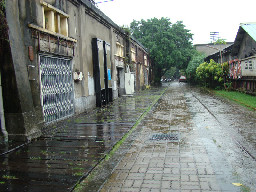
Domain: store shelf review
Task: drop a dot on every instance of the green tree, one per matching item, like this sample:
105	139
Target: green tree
196	60
220	42
169	44
170	73
211	74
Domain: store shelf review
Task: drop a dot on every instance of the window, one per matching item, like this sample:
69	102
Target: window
119	50
54	19
246	65
145	60
250	64
133	55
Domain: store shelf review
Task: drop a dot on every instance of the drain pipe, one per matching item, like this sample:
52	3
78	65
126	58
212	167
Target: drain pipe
2	121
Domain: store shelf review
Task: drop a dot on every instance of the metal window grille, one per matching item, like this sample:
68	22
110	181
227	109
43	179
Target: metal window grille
56	87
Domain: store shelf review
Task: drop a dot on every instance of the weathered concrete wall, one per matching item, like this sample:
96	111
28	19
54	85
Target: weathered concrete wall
22	109
140	60
29	39
119	42
77	30
89	28
139	66
247	46
248	67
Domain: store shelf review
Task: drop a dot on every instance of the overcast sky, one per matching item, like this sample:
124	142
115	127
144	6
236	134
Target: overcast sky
199	16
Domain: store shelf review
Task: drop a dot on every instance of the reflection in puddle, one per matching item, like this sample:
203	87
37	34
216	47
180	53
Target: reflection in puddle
58	159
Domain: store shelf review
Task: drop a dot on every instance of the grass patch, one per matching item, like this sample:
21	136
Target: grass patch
240	98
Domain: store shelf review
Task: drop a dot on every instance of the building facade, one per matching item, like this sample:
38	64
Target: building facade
243	64
64	57
241	57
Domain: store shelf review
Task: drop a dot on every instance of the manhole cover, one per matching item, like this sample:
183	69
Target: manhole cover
165	137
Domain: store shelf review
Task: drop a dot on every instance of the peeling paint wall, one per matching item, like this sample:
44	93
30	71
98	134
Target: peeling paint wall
57	28
247	46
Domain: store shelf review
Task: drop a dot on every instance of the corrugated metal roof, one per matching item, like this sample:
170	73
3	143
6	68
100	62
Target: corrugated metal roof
250	29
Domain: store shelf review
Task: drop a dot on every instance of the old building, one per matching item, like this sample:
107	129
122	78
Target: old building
243	65
221	55
63	58
140	64
211	48
241	57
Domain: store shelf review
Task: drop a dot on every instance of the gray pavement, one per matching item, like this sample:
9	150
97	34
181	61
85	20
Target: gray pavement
184	145
189	141
69	150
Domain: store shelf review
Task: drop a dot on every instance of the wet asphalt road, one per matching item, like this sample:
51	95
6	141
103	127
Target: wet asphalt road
215	146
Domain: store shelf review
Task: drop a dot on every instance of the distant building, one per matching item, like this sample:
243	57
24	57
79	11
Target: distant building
222	54
210	48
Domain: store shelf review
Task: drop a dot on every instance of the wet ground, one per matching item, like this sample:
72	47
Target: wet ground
66	153
190	141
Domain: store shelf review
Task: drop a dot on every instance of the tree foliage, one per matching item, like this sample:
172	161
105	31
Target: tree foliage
212	74
170	73
196	60
220	42
169	44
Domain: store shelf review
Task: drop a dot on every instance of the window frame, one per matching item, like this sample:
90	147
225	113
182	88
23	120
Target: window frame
54	20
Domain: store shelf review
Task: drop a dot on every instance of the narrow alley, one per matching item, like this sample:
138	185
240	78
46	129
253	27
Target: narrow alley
191	141
89	102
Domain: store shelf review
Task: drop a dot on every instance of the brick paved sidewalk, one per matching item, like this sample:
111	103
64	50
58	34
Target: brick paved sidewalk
167	165
68	151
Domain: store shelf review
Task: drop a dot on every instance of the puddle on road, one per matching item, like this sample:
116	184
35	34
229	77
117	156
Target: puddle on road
221	125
